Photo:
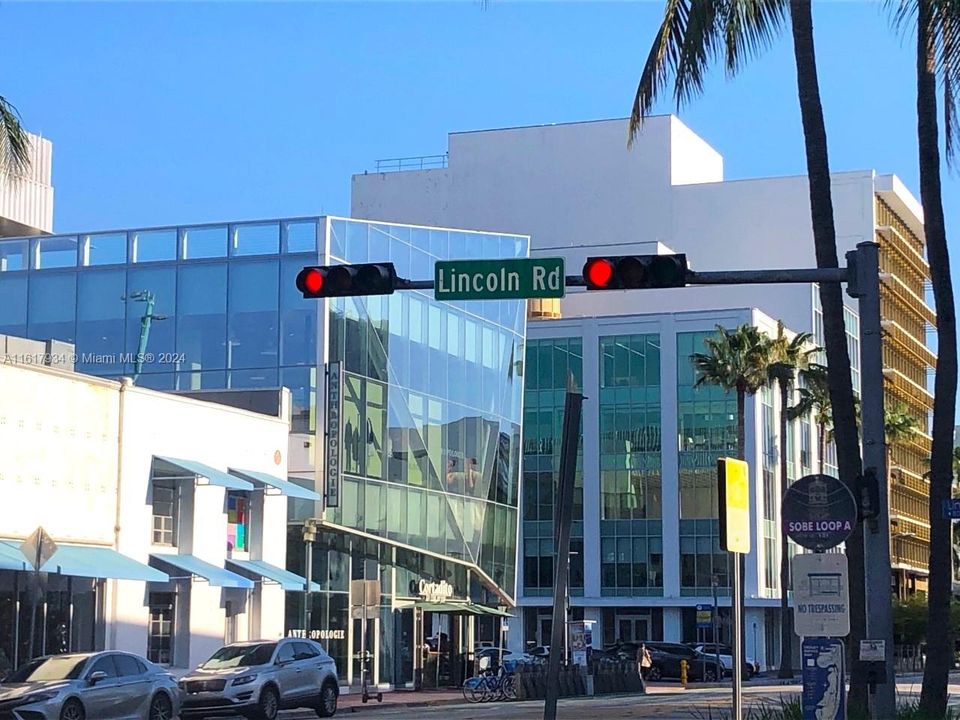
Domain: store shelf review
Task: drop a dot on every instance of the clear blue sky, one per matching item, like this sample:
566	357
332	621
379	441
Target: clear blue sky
184	112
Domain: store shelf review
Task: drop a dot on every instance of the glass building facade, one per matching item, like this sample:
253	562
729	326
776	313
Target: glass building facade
432	391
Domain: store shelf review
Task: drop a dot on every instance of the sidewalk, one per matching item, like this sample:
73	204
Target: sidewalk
352	701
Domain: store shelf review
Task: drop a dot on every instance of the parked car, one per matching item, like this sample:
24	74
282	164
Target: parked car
666	659
258	679
89	686
750	666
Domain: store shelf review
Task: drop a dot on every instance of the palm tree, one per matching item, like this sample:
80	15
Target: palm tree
814	397
738	361
14	141
692	35
938	58
898	426
788	355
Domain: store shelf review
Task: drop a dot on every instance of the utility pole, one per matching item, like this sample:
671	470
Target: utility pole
865	286
309	537
564	515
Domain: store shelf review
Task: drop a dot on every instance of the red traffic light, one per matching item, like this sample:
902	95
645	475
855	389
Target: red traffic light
598	272
630	272
347	280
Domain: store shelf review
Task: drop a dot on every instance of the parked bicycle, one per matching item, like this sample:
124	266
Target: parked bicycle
490	686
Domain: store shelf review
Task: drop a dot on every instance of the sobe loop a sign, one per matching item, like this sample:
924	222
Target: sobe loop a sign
819	512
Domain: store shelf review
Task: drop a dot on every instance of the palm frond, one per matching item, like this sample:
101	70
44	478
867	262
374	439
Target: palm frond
946	27
14	141
751	27
663	58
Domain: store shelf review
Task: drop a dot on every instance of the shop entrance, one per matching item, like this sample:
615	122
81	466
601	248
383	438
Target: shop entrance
633	628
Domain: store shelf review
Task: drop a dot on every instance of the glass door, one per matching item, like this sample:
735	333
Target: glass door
633	628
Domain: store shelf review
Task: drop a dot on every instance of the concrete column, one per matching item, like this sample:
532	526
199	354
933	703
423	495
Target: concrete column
672	624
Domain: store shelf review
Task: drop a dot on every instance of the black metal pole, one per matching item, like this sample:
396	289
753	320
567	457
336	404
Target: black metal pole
563	514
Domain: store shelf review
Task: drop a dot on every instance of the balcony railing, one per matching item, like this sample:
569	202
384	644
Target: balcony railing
420	162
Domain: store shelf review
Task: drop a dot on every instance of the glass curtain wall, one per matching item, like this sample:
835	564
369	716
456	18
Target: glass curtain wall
631	536
552	365
707	419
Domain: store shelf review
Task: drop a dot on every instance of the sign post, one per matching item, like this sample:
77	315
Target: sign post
824	685
38	549
334	432
734	504
821	595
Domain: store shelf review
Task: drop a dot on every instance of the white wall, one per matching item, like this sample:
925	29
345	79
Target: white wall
221	437
26	202
58	455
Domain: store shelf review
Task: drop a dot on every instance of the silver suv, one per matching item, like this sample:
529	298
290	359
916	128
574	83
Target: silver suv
258	679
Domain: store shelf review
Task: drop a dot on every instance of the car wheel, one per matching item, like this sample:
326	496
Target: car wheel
269	704
327	707
709	675
161	708
72	710
654	674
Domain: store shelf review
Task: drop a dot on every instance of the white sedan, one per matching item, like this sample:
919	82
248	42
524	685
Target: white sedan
726	658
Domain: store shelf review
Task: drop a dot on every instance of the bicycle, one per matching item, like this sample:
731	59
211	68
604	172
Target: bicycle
490	686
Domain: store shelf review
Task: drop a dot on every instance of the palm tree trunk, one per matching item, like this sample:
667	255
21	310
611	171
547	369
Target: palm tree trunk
822	444
831	300
739	558
786	624
933	695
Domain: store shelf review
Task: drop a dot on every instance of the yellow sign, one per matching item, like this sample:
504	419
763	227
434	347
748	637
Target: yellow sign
733	478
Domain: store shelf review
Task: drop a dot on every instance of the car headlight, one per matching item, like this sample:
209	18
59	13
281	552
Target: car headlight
244	680
40	696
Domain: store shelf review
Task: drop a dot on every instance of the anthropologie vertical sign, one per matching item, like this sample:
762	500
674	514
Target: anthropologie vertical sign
334	432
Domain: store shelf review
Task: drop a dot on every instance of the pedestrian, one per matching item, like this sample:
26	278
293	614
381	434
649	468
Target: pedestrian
644	661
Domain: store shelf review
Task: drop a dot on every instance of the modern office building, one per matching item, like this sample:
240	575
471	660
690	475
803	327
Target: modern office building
578	191
168	515
431	410
26	201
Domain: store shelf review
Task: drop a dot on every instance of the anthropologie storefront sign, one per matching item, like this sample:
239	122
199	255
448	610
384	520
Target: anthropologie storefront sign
318	634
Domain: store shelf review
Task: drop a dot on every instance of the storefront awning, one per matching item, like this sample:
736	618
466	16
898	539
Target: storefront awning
195	567
11	558
277	485
204	474
99	562
258	568
459	608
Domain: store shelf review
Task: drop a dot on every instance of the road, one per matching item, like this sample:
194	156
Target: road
665	702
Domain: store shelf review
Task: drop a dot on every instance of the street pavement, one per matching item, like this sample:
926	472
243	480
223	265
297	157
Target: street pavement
663	702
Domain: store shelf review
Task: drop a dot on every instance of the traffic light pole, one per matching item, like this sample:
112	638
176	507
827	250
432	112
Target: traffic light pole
862	279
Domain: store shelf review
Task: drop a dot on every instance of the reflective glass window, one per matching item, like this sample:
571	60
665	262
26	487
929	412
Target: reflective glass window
302	384
159	284
204	242
298	317
252	326
100	321
56	252
201	380
154	245
255	239
13	305
300	236
355	247
105	249
257	378
202	317
14	255
52	308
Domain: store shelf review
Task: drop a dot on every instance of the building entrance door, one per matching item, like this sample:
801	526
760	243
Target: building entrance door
544	629
370	643
633	628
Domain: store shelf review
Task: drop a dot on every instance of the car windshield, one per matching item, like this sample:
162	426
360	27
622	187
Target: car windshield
61	667
240	656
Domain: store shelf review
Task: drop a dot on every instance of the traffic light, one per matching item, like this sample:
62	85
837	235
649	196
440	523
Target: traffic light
347	280
630	272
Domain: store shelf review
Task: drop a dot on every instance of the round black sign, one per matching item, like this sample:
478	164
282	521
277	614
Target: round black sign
819	512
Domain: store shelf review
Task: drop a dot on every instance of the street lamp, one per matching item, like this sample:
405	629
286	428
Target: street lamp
144	296
714	582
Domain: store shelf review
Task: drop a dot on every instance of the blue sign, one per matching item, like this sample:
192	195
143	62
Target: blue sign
951	509
824	689
704	617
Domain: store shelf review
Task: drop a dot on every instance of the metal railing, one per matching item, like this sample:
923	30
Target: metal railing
421	162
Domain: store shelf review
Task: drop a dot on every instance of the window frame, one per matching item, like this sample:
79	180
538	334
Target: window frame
174	486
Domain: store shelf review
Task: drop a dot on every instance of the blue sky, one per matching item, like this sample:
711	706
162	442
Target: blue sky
185	112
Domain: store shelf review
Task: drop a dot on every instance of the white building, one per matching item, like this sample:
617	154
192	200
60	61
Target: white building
578	191
26	201
169	515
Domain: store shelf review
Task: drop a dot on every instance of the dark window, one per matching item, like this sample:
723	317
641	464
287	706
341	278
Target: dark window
165	506
287	653
304	651
160	628
105	665
127	665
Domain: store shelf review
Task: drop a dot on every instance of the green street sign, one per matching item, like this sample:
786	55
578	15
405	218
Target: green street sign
499	279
